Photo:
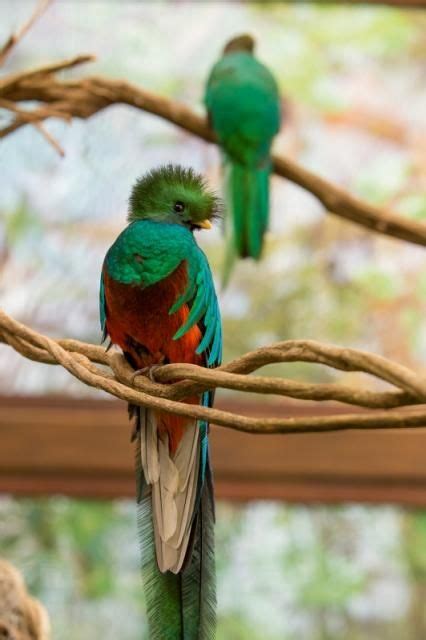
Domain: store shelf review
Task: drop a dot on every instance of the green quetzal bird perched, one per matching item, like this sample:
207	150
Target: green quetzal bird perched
243	106
158	303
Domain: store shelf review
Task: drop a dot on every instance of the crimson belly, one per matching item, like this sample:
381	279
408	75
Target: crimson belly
138	321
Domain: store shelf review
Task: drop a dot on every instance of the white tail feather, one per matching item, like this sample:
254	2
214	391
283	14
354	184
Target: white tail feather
173	479
185	499
149	448
190	441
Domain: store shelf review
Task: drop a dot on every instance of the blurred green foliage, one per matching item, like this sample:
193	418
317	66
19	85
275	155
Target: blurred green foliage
346	573
317	42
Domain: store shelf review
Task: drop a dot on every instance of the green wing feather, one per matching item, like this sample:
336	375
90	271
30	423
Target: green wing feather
204	309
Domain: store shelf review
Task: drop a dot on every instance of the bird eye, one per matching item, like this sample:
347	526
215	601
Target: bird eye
179	206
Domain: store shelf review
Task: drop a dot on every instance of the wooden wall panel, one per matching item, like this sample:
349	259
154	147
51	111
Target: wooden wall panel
82	448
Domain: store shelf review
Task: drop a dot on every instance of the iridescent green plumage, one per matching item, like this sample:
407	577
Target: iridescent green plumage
158	303
244	110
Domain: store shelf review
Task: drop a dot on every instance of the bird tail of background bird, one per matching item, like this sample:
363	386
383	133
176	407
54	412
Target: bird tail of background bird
180	603
247	194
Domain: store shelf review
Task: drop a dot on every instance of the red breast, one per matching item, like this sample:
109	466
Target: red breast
138	321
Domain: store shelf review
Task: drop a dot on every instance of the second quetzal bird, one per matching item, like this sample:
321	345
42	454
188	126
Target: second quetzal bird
158	303
244	110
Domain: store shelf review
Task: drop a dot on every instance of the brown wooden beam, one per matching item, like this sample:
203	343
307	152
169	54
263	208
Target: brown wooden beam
81	448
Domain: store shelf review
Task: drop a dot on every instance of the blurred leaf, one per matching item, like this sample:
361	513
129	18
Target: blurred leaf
381	180
21	222
378	284
415	544
413	206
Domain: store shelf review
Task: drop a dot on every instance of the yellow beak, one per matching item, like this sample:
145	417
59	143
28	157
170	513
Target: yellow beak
204	224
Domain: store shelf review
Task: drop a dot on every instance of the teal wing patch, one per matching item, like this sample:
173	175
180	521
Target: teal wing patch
102	307
200	295
201	298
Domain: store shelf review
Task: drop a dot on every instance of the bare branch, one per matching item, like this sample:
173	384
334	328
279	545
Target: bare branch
35	117
343	204
50	139
81	360
14	79
83	98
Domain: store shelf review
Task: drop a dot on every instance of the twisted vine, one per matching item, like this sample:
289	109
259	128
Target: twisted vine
175	382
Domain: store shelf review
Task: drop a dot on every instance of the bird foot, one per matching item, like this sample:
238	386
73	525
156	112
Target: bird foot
146	371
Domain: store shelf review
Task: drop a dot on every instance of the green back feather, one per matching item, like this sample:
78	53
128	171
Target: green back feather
244	107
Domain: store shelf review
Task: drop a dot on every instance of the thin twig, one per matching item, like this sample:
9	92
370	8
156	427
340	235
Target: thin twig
36	114
12	80
35	117
50	139
13	40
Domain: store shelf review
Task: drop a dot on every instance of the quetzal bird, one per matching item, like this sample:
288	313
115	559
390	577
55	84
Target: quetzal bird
244	110
158	303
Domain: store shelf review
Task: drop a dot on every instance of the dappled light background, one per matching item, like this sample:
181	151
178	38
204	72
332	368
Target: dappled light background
354	99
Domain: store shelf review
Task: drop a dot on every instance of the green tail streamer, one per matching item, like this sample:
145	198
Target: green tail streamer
247	193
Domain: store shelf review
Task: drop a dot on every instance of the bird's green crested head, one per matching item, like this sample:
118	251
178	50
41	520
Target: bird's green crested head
176	195
244	42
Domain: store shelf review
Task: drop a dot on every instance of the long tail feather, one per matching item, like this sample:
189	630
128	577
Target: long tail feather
179	606
199	577
248	197
162	590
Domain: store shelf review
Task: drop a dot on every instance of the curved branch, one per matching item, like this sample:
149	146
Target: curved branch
85	97
82	361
